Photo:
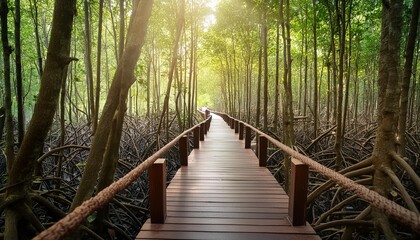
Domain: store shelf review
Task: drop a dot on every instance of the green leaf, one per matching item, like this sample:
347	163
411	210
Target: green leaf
92	217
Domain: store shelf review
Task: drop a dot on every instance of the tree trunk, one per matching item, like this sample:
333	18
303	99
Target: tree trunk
88	62
20	175
257	116
276	93
34	13
341	23
316	112
289	136
388	106
405	83
7	51
265	57
122	27
149	66
98	67
18	72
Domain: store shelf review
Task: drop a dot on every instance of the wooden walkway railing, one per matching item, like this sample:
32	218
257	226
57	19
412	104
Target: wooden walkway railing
223	193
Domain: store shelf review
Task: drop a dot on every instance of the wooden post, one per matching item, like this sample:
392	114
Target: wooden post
204	126
236	126
247	137
232	123
262	150
241	131
298	193
196	137
183	150
209	122
157	181
202	131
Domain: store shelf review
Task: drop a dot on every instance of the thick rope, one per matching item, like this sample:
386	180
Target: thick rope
387	206
74	219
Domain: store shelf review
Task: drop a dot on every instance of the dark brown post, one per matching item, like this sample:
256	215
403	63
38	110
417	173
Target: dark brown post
298	193
183	150
247	137
262	151
207	113
241	131
204	126
236	126
202	131
197	137
208	123
157	181
232	123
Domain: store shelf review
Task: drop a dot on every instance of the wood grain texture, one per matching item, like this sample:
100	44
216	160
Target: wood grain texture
224	194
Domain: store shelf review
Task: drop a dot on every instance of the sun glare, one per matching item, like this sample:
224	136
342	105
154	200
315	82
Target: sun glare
211	18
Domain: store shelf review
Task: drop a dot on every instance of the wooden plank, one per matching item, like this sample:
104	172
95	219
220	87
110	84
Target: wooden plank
228	215
222	236
227	221
226	228
270	205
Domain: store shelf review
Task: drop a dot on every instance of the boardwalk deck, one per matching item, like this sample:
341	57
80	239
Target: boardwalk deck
223	194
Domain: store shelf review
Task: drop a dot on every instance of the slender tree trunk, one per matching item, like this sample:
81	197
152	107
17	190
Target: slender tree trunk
265	57
340	9
98	66
289	136
347	65
18	72
405	83
114	32
149	66
356	88
415	95
190	77
63	94
7	51
122	28
276	93
34	13
328	92
88	62
257	116
316	112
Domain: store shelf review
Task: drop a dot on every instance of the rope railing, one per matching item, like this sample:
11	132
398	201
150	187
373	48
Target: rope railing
388	207
75	218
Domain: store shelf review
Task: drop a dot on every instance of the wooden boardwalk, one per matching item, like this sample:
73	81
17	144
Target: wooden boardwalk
224	194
